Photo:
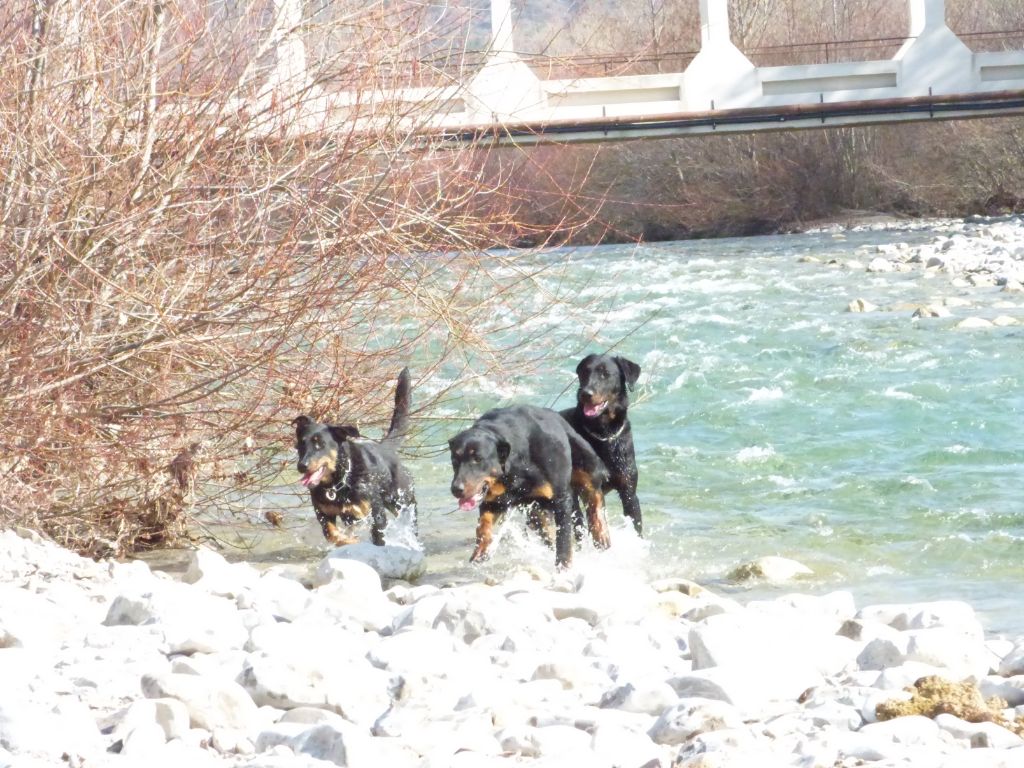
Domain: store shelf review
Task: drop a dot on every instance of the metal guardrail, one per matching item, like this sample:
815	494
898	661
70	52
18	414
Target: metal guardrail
450	68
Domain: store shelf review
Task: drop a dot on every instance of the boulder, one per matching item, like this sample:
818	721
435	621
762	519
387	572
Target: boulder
773	569
191	621
691	717
861	305
211	704
389	562
353	689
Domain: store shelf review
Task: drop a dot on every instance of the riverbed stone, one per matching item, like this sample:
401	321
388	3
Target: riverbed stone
861	305
770	568
352	688
210	703
1013	662
691	717
1009	689
979	734
390	561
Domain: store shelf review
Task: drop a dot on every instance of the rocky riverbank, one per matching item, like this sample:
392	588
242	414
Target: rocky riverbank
110	664
981	259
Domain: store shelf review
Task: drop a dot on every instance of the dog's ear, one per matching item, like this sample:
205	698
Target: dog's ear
630	371
300	423
583	364
342	432
503	449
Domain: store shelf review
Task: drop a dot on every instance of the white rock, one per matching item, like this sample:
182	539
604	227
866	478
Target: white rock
758	639
940	613
900	677
650	697
912	729
549	741
1011	690
1013	662
209	571
573	673
618	746
861	305
354	689
345	602
931	310
170	715
308	638
143	741
749	688
32	620
356	575
48	730
390	561
962	653
191	621
979	734
1003	321
880	264
278	596
771	568
210	703
882	653
692	717
971	323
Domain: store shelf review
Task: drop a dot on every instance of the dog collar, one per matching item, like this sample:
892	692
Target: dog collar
332	492
608	439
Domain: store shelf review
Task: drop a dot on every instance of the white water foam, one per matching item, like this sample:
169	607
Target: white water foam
755	453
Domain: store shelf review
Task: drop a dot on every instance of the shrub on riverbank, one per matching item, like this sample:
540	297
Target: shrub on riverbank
180	276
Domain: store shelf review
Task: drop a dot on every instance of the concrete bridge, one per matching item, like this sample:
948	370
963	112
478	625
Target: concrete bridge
933	75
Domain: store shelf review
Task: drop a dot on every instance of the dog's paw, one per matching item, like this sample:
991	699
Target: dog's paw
479	556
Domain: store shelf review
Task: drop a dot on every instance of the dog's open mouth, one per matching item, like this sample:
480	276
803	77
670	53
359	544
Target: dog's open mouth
469	503
313	477
590	410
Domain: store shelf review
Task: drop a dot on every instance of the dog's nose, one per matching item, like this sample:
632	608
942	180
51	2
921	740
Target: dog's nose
458	488
302	467
586	392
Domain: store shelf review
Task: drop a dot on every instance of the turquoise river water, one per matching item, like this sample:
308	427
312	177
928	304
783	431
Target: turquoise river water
883	452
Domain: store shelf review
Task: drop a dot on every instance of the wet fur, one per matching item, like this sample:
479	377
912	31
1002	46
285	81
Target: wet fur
608	379
366	478
527	456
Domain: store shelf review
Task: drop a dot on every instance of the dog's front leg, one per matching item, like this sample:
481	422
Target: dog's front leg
484	535
631	505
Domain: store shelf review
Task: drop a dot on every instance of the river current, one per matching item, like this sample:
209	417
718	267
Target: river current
884	452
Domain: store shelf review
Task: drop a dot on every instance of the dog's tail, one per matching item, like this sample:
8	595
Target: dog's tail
400	418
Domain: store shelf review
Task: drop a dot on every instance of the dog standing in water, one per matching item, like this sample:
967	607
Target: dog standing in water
351	478
528	456
600	417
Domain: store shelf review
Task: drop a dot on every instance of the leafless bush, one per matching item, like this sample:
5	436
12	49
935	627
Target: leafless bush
195	247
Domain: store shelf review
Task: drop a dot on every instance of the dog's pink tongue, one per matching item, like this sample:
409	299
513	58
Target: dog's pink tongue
592	410
312	478
467	504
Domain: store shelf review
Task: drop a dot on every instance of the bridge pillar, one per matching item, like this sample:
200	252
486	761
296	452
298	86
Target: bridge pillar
505	89
933	59
720	76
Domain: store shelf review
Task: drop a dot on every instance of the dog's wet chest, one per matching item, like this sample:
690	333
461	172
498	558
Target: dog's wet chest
347	505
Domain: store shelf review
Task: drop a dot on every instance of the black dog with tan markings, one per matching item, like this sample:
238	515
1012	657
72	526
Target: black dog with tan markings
351	478
600	416
528	456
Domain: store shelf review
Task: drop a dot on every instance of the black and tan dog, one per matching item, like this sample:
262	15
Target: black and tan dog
600	416
528	456
351	478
